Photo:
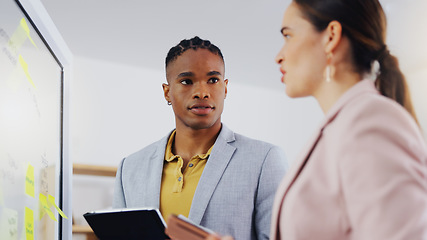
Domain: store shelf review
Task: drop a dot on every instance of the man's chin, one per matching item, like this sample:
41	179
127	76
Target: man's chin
203	125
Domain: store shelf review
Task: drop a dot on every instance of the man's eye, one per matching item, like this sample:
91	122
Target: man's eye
186	82
213	80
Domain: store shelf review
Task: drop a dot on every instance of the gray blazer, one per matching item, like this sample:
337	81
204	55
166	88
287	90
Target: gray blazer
234	195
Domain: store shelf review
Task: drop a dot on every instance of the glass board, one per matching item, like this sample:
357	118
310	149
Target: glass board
31	98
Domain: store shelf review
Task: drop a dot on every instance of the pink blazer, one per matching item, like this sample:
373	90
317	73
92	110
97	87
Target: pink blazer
363	175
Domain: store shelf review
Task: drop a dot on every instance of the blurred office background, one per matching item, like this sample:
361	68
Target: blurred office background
119	47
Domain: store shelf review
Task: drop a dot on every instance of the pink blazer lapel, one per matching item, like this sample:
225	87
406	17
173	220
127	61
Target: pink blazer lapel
364	86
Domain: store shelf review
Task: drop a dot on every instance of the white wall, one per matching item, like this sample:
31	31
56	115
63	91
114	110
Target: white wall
406	38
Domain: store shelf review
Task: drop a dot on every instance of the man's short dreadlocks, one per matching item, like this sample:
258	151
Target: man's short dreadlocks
194	43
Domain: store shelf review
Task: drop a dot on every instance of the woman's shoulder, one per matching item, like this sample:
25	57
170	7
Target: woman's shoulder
376	110
373	116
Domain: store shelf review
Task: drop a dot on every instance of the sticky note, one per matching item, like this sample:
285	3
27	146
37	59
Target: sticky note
17	40
29	181
24	25
29	224
19	36
44	208
51	200
24	66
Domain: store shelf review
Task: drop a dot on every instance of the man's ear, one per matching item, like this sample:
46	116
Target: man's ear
226	84
166	91
333	36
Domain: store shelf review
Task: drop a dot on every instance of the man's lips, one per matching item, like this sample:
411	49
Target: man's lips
201	109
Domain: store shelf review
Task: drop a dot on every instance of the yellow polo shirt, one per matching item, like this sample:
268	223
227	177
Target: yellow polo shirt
177	190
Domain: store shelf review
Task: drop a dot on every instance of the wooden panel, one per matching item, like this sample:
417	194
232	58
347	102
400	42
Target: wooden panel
86	230
82	229
94	170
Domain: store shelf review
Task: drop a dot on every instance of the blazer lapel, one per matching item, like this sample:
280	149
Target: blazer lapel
364	86
217	163
148	194
157	162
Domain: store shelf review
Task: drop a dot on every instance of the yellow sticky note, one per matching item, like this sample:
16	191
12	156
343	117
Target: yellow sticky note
17	40
44	207
29	224
51	201
24	25
24	66
29	181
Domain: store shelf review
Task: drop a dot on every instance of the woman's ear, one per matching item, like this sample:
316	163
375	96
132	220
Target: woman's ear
333	36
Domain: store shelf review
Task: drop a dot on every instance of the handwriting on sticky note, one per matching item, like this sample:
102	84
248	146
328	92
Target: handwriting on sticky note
29	181
29	224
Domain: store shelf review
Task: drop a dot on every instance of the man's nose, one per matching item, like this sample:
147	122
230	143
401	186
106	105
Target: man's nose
201	91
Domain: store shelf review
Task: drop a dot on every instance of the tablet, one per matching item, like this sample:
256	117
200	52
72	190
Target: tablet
127	223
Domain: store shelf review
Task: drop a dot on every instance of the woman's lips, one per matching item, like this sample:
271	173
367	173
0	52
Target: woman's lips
283	76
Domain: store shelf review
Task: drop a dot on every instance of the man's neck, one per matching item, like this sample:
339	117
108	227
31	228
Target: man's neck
190	142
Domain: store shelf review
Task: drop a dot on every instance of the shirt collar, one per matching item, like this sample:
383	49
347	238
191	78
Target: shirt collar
169	156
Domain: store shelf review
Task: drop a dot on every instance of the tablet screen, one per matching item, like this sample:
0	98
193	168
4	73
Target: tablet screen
127	224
